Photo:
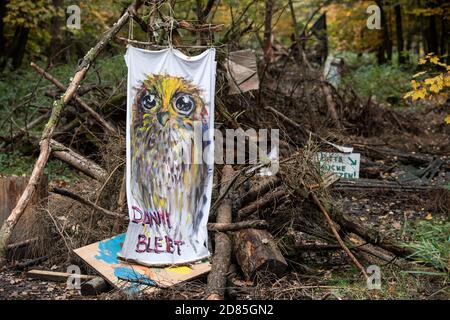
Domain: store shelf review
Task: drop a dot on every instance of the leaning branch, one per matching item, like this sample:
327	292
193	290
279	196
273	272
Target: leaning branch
337	236
76	197
45	149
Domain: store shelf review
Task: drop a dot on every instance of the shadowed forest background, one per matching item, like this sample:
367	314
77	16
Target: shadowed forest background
389	100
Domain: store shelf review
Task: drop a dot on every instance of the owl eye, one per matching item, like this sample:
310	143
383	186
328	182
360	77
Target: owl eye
184	103
148	100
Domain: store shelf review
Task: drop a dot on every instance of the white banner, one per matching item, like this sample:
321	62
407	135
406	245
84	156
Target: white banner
170	153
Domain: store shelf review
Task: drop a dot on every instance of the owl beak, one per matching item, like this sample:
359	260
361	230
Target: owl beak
162	117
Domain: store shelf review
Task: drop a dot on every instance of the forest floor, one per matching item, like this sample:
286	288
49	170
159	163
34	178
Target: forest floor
335	278
410	217
397	214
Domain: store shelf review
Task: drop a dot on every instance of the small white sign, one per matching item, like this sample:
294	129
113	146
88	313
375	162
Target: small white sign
345	165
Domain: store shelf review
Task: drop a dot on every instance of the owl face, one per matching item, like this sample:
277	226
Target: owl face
168	101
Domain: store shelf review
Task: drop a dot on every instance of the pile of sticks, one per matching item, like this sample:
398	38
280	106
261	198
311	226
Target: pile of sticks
72	95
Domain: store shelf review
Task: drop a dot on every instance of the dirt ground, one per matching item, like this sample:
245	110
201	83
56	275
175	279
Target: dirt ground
332	278
315	275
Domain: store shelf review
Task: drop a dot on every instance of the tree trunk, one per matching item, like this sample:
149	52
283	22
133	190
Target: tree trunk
399	30
268	53
2	25
444	37
261	203
381	58
387	35
55	28
19	51
385	49
298	54
409	40
432	36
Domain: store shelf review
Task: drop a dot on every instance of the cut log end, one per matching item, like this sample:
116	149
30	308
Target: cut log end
94	287
257	251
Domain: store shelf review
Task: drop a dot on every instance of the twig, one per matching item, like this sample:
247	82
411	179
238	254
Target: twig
143	43
60	232
109	128
69	194
225	227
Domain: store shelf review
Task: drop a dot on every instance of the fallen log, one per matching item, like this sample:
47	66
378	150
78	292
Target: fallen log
419	159
29	262
45	149
259	190
373	237
262	203
336	234
373	170
226	227
217	278
294	249
219	227
77	161
94	287
372	184
21	244
255	251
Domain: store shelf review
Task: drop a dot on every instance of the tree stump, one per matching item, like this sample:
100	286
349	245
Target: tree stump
257	251
11	189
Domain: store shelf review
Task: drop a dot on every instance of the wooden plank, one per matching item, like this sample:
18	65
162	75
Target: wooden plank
54	275
132	277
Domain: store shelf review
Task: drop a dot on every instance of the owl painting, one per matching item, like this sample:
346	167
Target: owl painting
167	172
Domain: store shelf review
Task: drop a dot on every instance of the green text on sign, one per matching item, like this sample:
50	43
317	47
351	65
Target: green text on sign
345	165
